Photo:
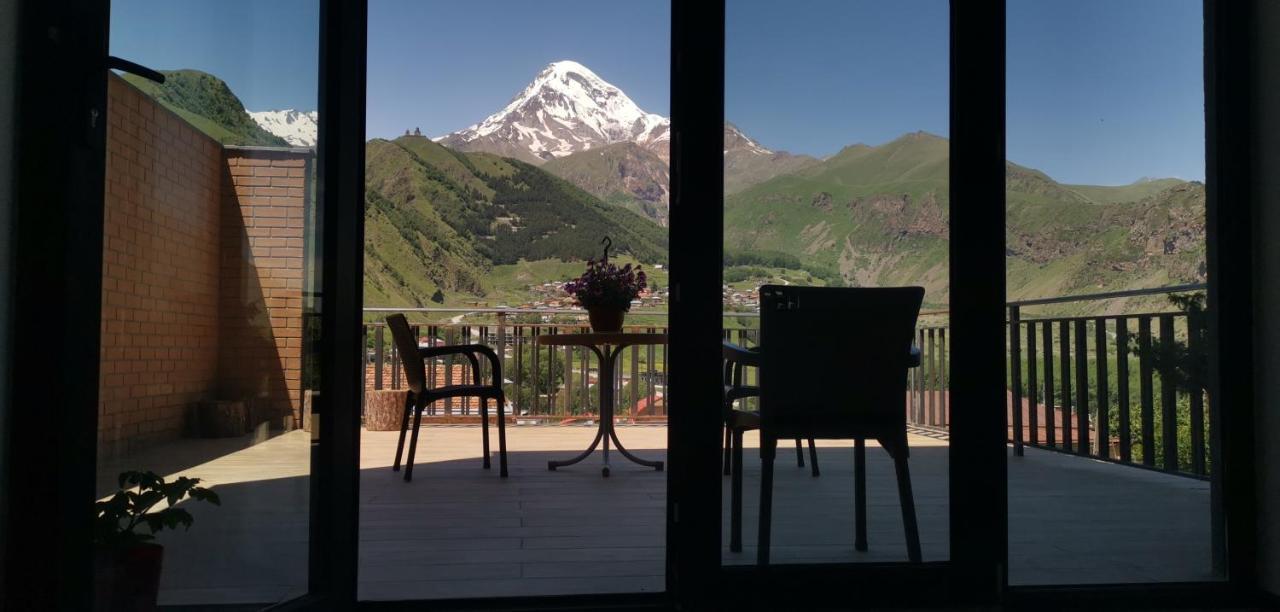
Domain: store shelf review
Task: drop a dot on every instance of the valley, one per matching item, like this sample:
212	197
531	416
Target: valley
489	214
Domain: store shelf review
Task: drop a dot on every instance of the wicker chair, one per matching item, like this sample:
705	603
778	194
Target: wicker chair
812	338
421	396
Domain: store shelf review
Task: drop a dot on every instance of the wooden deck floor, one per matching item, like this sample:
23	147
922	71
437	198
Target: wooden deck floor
459	531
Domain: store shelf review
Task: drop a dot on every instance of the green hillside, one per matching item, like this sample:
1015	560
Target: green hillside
438	219
879	216
206	102
1124	193
623	173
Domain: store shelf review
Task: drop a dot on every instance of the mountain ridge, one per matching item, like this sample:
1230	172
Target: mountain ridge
208	103
298	128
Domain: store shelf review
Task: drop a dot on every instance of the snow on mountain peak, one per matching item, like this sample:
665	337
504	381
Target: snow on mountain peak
565	109
298	128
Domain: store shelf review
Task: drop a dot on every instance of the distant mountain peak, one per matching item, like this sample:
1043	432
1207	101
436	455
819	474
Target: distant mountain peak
298	128
567	108
736	140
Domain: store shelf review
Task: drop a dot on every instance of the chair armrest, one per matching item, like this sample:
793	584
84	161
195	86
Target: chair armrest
470	351
736	354
913	360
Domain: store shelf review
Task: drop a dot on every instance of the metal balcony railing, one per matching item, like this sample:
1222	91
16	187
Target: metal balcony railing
1118	387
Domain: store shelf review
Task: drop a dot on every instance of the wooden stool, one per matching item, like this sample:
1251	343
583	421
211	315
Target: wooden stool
383	409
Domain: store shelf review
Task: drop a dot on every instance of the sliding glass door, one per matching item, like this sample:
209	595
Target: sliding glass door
1114	434
836	175
211	297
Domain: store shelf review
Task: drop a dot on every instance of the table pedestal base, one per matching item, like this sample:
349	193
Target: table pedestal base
605	433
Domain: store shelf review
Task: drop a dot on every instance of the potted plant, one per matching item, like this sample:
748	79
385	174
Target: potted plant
126	559
606	291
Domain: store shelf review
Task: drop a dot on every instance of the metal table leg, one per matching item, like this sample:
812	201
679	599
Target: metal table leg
606	430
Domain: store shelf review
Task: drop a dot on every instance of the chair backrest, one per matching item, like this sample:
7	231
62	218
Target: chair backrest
834	361
415	371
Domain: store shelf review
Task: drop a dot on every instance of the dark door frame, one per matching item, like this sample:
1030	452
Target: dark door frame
976	572
56	292
57	235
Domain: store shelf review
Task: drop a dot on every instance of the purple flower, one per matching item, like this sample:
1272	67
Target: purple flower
605	284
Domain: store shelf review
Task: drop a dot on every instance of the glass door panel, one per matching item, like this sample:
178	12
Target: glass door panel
836	175
1112	432
499	162
208	363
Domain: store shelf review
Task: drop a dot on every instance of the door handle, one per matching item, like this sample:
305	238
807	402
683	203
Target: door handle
124	65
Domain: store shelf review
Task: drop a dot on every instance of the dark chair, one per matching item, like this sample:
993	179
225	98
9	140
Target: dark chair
740	420
420	396
833	365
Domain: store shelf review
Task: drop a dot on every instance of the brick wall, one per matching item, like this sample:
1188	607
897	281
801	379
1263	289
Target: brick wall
264	196
160	271
202	275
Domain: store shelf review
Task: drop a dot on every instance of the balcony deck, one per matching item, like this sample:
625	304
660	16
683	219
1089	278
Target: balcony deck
458	531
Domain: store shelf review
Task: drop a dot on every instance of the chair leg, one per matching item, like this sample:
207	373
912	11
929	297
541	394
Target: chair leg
813	457
908	507
404	429
728	450
735	496
768	449
502	436
413	442
484	426
860	494
799	453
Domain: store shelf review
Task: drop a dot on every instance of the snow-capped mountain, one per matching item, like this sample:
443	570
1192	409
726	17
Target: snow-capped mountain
566	109
298	128
737	142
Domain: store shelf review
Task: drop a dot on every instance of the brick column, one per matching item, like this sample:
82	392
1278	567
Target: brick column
265	197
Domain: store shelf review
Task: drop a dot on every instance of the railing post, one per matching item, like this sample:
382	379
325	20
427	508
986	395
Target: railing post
1147	393
1195	348
518	371
1082	386
1033	420
1103	425
942	376
378	351
919	382
568	379
1015	377
1064	361
651	391
934	418
364	364
1168	401
635	381
450	338
1122	390
1050	410
394	362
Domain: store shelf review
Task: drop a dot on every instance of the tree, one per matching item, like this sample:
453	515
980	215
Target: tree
1186	365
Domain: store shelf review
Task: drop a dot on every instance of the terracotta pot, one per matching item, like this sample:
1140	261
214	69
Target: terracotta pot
127	580
604	320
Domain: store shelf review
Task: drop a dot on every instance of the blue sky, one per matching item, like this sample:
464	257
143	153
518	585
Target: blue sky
1100	91
1106	91
266	50
444	65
